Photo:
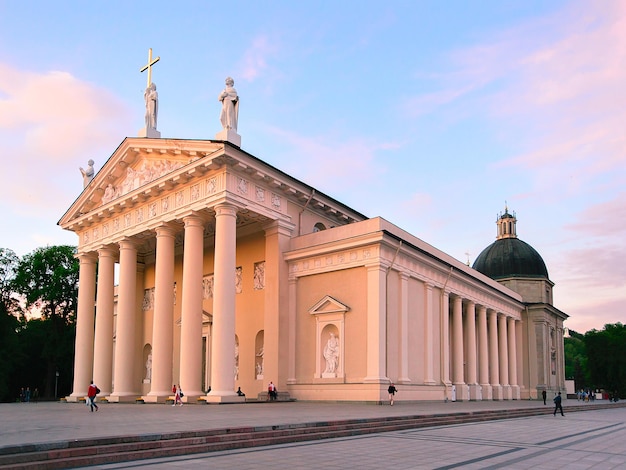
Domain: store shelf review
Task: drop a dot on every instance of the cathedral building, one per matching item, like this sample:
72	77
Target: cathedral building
204	266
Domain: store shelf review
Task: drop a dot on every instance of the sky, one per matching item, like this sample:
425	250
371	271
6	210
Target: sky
432	114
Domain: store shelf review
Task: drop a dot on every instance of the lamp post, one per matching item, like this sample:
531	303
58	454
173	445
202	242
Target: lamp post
56	384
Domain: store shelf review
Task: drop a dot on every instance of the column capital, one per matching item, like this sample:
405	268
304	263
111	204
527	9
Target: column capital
87	257
194	219
226	209
279	226
128	244
165	229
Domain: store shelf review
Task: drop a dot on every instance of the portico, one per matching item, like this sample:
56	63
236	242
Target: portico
203	266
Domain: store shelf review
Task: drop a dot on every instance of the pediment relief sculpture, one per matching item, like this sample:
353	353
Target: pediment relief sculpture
145	173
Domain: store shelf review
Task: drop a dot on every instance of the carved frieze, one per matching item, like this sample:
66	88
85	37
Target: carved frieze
149	171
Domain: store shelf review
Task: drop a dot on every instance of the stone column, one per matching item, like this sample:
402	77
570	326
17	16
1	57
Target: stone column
494	367
191	309
163	319
223	354
83	359
124	388
445	341
376	325
483	353
472	379
429	356
103	345
457	349
404	328
503	351
512	359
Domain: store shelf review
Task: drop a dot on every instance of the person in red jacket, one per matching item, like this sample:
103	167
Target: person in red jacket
92	391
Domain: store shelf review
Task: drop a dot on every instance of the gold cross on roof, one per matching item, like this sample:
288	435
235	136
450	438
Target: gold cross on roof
149	65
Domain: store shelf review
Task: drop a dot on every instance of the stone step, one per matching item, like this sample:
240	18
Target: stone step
128	448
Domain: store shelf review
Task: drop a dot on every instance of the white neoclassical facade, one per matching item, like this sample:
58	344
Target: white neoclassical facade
202	265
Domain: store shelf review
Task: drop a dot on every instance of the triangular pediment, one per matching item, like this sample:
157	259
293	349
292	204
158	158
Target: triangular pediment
136	164
328	305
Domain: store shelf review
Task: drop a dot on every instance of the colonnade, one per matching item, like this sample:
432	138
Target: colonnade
94	342
484	352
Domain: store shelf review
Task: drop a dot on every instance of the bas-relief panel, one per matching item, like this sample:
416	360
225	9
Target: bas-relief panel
333	261
147	172
153	209
257	193
177	199
208	283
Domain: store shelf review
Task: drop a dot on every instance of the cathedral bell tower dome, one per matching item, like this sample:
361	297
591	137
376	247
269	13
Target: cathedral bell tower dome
509	257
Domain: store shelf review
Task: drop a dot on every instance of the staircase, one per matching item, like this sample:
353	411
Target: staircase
101	451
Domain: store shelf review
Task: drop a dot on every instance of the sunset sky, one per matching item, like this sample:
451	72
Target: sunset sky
430	114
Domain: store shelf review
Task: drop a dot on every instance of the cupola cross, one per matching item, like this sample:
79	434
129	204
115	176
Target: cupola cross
149	65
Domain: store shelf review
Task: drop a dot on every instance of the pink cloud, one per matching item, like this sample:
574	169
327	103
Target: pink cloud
256	59
328	161
49	123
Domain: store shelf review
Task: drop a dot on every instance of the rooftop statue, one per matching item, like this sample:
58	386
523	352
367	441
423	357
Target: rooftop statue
87	174
230	106
152	106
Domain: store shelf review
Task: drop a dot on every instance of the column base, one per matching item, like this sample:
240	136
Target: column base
75	398
497	392
475	392
129	398
157	398
487	392
460	392
515	392
506	392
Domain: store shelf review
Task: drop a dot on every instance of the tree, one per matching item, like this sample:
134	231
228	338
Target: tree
606	351
576	360
9	324
48	281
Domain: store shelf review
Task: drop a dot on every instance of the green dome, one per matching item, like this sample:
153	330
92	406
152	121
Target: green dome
510	257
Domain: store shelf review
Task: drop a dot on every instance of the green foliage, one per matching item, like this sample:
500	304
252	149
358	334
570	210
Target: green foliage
606	357
34	349
9	262
576	361
48	280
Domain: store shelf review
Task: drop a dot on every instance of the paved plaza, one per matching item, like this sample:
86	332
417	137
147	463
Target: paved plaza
579	440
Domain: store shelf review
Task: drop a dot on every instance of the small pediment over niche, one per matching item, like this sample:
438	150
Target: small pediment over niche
328	305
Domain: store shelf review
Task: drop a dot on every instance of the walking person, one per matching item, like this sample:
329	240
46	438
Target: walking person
544	395
92	392
558	405
176	392
392	391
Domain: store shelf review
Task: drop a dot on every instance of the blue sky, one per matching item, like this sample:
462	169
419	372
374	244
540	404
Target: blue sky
430	114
